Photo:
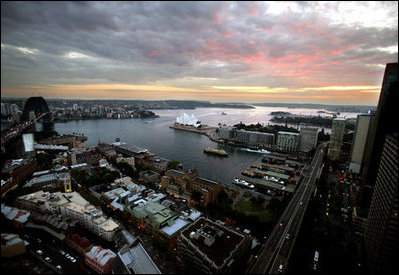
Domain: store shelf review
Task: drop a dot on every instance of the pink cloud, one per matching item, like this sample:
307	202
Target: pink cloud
153	53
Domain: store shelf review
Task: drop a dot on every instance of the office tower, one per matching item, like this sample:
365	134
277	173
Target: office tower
288	141
387	112
362	130
336	138
381	234
308	138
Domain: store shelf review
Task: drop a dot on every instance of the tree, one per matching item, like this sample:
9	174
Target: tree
126	169
173	164
45	160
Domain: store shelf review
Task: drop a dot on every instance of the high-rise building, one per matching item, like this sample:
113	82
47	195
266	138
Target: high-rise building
288	141
381	234
362	129
5	109
336	138
308	138
382	125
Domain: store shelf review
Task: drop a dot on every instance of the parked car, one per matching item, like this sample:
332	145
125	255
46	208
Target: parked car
48	259
39	252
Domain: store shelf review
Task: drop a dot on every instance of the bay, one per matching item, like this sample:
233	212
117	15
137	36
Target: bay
185	147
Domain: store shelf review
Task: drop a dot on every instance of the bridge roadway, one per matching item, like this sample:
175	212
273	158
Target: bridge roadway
15	131
277	248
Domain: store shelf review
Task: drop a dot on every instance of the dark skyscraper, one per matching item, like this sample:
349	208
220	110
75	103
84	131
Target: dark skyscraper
381	234
383	124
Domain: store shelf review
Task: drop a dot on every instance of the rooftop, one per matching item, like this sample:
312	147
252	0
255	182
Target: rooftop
10	165
221	241
171	230
287	133
100	255
137	261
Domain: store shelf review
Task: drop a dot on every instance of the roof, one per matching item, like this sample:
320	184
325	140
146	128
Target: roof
137	261
279	175
78	240
171	230
10	165
155	212
287	133
225	244
12	213
51	147
100	255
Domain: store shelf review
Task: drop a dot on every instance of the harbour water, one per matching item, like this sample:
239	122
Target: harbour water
185	147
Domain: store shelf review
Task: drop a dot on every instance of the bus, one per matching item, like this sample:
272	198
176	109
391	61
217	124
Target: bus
316	256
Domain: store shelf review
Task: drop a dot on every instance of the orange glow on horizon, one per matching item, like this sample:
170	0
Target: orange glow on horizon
367	95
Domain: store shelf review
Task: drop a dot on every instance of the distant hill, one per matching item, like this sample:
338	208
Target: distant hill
332	108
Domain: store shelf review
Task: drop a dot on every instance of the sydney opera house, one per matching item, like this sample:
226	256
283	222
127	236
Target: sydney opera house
186	119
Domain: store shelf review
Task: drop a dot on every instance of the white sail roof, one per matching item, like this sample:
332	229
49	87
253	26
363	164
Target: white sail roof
186	119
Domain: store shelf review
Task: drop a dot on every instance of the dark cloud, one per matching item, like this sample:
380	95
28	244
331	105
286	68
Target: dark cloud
143	42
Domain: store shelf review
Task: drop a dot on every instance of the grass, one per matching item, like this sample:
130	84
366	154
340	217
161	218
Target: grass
248	208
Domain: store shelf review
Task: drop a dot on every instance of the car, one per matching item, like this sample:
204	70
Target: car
301	203
280	268
67	255
48	259
72	259
59	267
39	240
287	236
62	252
281	225
39	252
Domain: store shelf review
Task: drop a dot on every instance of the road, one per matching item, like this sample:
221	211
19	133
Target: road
17	130
277	249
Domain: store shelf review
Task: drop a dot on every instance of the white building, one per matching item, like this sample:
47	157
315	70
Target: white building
74	206
186	119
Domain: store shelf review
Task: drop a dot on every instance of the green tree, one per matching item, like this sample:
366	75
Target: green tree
45	160
173	164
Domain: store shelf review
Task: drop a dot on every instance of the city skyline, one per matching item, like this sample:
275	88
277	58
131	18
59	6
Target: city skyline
292	52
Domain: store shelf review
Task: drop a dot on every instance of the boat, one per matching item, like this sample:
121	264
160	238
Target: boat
243	183
223	114
262	151
222	153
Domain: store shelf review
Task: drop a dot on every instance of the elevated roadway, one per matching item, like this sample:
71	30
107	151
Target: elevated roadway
277	249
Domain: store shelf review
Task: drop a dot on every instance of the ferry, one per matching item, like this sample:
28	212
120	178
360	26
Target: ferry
222	153
243	183
262	151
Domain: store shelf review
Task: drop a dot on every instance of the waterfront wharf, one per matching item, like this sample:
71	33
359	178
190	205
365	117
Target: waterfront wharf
267	184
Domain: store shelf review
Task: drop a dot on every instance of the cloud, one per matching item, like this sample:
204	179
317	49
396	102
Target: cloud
272	44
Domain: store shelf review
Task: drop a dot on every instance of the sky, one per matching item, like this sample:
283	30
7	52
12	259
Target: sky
249	52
